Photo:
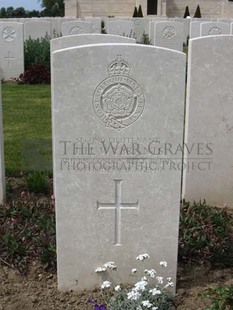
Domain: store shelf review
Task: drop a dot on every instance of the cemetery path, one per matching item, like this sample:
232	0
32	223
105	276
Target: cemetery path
38	289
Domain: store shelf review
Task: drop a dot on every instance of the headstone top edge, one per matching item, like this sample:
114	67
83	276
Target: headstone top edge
88	35
211	38
11	22
139	46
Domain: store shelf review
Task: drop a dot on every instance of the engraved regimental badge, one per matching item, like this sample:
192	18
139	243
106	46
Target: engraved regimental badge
118	100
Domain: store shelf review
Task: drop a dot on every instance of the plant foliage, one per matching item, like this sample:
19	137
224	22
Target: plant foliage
197	12
27	232
36	74
53	7
145	39
135	13
140	14
37	182
37	51
10	12
222	298
151	290
206	235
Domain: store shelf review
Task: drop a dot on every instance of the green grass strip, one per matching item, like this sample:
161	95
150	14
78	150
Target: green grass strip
26	120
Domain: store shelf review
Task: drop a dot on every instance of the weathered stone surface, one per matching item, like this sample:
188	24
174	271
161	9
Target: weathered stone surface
117	194
169	34
11	50
37	29
86	39
214	28
76	27
119	27
209	121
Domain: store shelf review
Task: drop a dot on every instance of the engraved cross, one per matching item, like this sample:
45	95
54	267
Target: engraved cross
9	58
118	205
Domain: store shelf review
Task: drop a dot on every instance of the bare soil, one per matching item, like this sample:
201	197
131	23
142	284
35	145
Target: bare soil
38	290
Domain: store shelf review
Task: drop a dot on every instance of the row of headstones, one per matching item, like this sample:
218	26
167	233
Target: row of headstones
117	148
38	27
167	33
13	35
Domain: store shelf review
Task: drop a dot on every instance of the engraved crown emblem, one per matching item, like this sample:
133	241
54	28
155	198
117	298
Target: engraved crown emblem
119	67
118	100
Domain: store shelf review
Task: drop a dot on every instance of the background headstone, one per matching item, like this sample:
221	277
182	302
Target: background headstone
214	28
186	22
195	29
116	194
37	29
141	28
169	34
86	39
11	50
76	27
96	23
152	22
209	121
120	27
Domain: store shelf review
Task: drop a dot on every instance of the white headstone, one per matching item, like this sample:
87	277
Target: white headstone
2	164
224	20
86	39
11	50
120	27
56	27
37	29
141	28
186	22
95	22
169	34
195	28
214	28
116	194
76	27
152	22
209	121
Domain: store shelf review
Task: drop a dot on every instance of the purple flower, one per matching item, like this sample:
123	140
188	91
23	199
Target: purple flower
97	307
100	307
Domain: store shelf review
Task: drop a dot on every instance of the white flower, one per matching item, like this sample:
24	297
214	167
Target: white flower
163	264
134	270
110	265
169	284
100	269
139	308
155	291
141	285
133	295
106	284
141	257
155	308
144	278
150	272
117	288
146	303
160	280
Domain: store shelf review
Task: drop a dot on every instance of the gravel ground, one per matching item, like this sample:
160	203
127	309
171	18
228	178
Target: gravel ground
38	290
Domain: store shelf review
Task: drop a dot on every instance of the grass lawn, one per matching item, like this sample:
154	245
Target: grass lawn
26	122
